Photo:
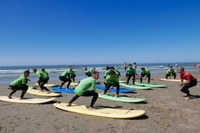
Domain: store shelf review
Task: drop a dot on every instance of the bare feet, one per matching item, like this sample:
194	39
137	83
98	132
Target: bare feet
69	104
21	98
9	97
92	108
48	92
189	97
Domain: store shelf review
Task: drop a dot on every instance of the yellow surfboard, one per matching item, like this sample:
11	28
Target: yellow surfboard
47	85
26	100
101	112
40	93
73	84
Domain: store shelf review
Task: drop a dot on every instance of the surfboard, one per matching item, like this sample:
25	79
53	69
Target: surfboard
26	100
147	85
170	80
135	86
122	90
101	111
47	85
121	98
58	89
151	85
73	84
40	93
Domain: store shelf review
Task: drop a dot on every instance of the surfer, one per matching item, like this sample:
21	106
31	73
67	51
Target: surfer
130	72
170	72
112	80
19	84
43	79
82	89
190	82
146	74
66	77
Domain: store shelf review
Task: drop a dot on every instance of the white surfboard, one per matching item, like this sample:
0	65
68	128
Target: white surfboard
101	112
26	100
40	93
170	80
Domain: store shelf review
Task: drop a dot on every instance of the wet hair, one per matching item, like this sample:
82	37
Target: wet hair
27	71
142	68
95	72
43	69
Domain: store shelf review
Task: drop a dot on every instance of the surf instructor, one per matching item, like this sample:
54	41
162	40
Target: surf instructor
82	89
190	82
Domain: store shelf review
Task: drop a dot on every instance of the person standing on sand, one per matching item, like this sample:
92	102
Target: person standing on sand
43	79
190	82
19	84
170	72
130	72
82	89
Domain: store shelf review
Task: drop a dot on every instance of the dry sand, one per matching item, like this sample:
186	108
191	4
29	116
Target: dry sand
167	111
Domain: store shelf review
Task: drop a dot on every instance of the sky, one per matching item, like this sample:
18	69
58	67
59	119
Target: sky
53	32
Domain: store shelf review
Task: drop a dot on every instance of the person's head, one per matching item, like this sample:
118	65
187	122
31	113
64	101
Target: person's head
34	70
95	75
129	65
70	67
112	68
142	68
43	69
170	67
26	73
181	70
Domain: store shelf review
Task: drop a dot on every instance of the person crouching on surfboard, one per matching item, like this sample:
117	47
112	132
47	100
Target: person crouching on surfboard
190	82
43	79
112	80
82	89
19	84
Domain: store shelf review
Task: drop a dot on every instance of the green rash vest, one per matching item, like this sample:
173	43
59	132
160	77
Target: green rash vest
84	85
90	71
67	72
112	80
42	75
108	73
145	72
19	81
170	71
130	71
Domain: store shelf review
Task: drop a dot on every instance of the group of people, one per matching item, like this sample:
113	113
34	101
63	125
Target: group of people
111	78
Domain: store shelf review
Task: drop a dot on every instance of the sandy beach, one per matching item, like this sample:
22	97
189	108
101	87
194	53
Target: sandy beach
167	111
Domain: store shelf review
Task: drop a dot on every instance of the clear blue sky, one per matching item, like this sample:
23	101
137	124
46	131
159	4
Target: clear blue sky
42	32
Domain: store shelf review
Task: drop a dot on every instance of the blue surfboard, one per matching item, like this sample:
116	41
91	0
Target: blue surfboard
58	89
121	90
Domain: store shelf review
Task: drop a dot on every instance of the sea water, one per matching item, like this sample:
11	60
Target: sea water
10	73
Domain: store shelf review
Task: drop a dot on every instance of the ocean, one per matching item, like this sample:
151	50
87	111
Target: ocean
10	73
